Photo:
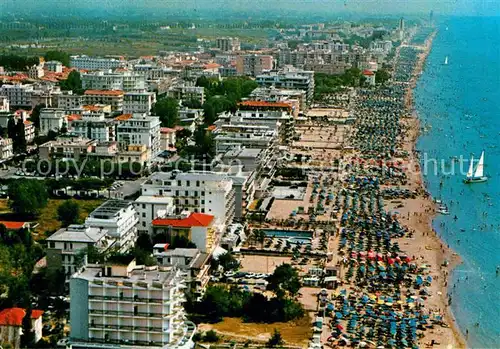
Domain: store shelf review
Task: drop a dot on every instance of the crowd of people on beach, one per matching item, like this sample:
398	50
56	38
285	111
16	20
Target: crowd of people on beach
384	291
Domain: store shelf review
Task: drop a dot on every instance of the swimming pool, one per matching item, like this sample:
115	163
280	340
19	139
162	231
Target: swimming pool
302	237
299	234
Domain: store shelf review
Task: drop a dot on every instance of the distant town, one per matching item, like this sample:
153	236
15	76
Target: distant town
226	196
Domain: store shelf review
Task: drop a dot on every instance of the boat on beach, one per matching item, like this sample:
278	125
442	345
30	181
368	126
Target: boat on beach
477	175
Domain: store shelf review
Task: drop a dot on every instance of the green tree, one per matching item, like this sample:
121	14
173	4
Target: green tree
27	197
276	339
211	336
60	56
168	111
192	103
73	83
144	242
284	279
381	76
227	262
68	212
35	115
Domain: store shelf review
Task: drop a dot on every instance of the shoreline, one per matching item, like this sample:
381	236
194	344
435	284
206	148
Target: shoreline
436	251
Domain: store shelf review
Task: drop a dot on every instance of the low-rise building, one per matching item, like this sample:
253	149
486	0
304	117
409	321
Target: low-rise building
11	326
120	220
66	247
67	147
167	138
196	227
124	305
6	150
4	104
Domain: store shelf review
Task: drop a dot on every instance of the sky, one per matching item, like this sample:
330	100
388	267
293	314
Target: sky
370	7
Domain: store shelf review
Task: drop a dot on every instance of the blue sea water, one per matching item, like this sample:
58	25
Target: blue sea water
461	103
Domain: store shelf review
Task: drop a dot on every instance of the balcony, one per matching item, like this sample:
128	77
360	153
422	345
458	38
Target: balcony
128	299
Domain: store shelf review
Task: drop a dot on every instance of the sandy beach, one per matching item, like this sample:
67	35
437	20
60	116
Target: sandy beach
417	214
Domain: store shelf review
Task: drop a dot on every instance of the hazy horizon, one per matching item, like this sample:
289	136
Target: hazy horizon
277	8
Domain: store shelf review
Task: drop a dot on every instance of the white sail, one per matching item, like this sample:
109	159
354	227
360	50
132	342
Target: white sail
446	60
471	167
480	167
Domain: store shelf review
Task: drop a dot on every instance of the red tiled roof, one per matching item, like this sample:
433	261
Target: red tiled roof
14	316
73	117
123	117
194	220
13	225
264	104
211	65
104	92
368	72
167	130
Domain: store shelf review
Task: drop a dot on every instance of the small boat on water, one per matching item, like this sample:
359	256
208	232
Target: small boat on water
477	175
443	210
446	61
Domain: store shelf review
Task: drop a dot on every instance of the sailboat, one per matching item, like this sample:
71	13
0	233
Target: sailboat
446	61
477	175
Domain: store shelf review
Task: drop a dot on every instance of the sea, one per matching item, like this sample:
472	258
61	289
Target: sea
459	107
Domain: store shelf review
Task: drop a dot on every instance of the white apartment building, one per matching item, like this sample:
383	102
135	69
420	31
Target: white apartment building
167	138
139	129
186	92
6	150
65	245
106	80
95	63
138	102
18	95
149	207
51	119
112	98
68	100
54	66
127	306
227	44
120	220
4	104
93	125
204	192
289	78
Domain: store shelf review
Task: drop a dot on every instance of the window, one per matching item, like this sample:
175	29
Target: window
143	224
197	183
179	183
143	205
176	193
143	214
202	210
186	202
188	183
186	193
52	244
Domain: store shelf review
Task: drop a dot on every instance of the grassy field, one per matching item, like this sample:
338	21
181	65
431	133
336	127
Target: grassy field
47	221
293	332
